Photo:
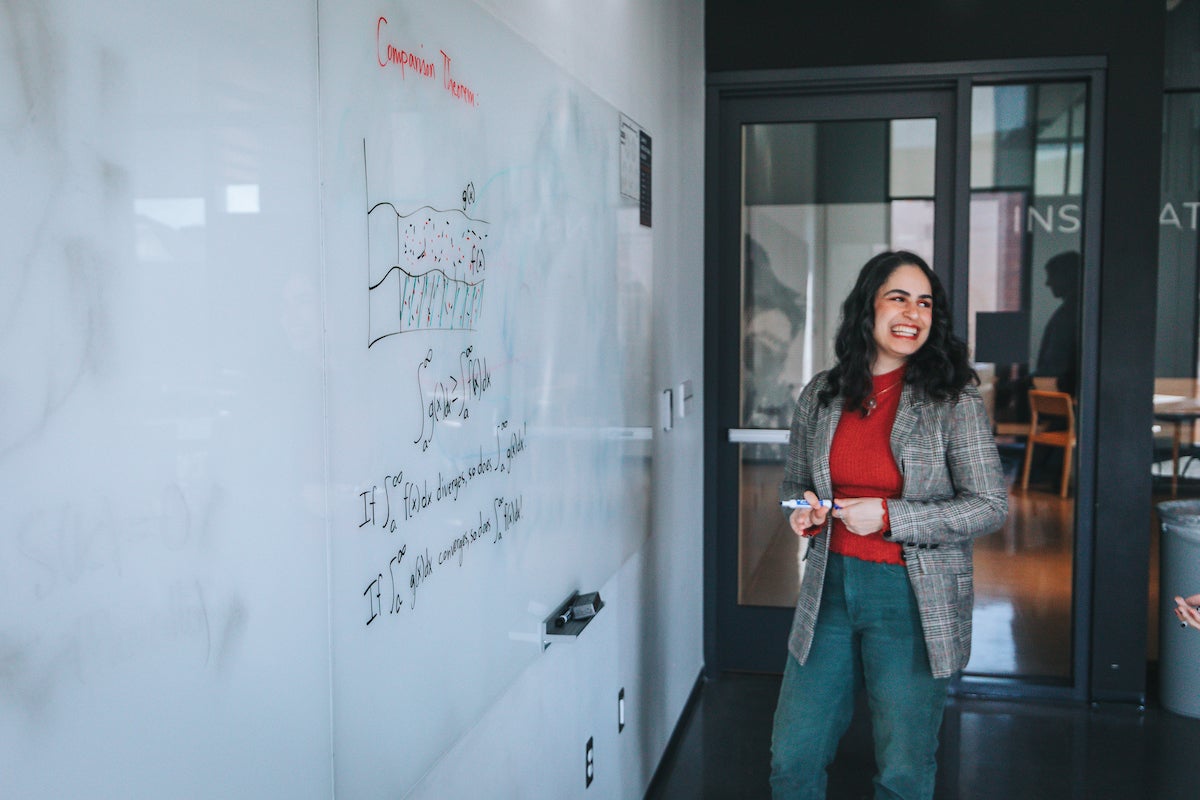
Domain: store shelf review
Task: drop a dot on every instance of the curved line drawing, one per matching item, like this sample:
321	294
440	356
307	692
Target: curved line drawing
398	269
425	270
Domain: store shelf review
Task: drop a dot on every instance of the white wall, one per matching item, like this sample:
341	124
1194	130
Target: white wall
646	59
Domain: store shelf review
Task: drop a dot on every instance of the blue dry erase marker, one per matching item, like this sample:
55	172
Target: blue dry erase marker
805	504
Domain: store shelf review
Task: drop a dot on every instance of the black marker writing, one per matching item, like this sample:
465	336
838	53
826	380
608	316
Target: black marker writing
370	503
416	498
459	546
442	398
422	569
397	601
507	514
372	594
420	493
516	446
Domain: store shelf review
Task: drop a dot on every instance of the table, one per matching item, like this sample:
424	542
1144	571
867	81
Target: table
1177	410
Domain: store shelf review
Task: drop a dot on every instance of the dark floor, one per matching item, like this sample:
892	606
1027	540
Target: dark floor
991	749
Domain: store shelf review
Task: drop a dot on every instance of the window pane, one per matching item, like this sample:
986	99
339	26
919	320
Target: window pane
1024	277
1075	177
983	137
819	199
1051	169
911	159
1175	356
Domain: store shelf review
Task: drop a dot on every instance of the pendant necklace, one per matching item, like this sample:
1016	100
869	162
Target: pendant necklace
870	404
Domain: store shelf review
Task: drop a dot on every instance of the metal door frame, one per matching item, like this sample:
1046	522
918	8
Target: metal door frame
841	88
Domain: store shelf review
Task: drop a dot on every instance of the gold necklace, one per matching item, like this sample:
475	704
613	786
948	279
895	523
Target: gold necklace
871	403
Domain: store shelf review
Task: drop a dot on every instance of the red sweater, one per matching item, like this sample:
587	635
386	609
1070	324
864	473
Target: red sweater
861	465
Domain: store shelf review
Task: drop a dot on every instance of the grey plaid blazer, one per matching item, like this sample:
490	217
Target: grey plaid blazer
954	490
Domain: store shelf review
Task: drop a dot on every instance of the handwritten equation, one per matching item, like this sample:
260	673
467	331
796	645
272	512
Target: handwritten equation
403	579
398	499
442	396
403	497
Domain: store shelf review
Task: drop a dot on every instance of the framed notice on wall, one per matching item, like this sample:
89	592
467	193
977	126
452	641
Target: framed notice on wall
629	158
635	167
644	175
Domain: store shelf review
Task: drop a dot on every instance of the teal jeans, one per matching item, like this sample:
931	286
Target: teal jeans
868	635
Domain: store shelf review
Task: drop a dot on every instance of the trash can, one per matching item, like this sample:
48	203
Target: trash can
1179	574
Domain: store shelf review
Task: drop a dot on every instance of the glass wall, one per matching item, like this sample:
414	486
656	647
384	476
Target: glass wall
1175	386
818	200
1026	242
1176	466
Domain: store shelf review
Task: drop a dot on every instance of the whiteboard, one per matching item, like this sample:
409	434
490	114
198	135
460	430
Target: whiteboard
488	404
163	569
262	531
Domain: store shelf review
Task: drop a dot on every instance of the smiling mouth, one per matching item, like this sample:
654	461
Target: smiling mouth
905	331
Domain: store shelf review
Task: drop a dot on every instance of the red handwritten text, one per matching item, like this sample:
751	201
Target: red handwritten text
459	90
390	55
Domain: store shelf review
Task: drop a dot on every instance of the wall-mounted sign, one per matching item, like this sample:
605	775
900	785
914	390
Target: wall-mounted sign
635	167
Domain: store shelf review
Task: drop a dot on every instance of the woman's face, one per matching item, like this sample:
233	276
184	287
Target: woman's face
903	316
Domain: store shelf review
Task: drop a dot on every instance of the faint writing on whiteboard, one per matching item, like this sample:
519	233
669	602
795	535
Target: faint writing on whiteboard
390	55
449	395
426	270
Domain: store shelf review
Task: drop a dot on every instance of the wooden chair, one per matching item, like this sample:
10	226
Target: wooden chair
1053	405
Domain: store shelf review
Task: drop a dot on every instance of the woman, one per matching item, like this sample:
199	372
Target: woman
896	435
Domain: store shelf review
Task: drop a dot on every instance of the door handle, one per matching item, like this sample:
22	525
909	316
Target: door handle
759	435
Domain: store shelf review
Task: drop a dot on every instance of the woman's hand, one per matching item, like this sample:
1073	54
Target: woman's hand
1186	610
802	519
860	515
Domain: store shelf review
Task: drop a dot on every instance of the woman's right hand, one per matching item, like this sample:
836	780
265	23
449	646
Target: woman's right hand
803	519
1187	609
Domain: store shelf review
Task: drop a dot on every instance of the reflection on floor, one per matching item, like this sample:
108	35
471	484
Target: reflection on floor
1022	620
1023	573
990	749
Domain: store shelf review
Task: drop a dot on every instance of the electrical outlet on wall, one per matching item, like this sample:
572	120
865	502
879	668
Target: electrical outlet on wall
589	762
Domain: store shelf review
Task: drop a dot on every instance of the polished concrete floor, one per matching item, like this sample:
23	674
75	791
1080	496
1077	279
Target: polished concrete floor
990	750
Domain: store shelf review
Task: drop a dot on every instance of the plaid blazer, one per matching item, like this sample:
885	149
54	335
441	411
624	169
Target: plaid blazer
954	490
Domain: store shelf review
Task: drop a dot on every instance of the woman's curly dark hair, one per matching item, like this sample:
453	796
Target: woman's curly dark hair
941	367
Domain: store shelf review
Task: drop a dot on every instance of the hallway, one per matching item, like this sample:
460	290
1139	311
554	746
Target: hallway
991	750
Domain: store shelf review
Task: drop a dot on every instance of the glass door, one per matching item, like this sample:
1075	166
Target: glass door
1027	212
999	173
811	188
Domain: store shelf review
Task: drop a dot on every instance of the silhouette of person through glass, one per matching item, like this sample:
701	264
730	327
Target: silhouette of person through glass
774	320
1057	354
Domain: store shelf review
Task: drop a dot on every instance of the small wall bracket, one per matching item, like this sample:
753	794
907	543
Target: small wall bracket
571	616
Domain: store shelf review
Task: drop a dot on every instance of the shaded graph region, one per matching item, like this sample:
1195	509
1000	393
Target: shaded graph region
426	270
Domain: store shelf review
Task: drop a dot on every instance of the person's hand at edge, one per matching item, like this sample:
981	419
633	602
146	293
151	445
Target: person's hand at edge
1187	609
